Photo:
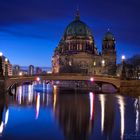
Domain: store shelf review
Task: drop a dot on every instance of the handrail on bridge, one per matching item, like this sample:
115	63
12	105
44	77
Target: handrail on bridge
64	74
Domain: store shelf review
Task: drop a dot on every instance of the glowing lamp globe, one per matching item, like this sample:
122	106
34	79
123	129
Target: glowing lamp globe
20	74
123	57
91	79
38	79
6	59
1	53
103	61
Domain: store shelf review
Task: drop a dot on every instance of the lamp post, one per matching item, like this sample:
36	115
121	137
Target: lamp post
103	63
123	72
6	67
1	68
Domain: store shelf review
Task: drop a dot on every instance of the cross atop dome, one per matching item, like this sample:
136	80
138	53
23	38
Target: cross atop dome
77	16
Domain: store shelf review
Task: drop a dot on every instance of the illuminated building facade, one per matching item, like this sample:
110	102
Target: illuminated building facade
16	70
6	66
77	52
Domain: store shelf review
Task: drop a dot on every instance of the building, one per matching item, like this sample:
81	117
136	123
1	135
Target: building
38	70
16	70
10	72
23	72
77	51
31	70
5	66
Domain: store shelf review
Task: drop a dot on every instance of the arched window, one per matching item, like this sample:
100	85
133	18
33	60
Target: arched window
80	47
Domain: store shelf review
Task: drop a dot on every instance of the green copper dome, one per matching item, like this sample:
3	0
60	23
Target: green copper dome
77	28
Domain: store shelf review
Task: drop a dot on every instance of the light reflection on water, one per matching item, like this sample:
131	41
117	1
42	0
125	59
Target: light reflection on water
102	100
121	103
137	108
67	115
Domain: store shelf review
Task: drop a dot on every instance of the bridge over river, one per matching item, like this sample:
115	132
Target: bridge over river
124	86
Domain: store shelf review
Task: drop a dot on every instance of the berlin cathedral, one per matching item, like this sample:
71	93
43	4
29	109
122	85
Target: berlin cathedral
77	51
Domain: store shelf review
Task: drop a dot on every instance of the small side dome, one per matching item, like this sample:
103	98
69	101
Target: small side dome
108	44
108	36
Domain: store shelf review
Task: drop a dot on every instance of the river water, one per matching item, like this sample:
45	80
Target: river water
46	113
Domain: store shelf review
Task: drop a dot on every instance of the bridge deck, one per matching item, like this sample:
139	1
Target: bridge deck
65	77
124	85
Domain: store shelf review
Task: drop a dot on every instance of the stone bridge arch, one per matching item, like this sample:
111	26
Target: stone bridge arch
63	77
105	80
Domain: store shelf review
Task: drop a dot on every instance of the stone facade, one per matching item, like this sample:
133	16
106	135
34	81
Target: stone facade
77	52
6	66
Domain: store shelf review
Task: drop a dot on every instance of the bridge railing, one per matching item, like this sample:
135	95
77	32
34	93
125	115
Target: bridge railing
64	74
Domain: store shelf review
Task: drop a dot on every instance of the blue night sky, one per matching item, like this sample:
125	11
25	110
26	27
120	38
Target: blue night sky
31	29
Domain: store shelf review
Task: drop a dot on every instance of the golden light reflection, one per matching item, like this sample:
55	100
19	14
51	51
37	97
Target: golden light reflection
122	114
54	96
37	105
102	100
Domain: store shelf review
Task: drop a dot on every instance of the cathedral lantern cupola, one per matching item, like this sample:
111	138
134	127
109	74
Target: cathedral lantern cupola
77	16
108	45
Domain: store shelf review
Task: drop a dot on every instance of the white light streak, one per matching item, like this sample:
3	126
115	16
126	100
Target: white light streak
6	116
102	100
19	94
122	114
91	97
1	127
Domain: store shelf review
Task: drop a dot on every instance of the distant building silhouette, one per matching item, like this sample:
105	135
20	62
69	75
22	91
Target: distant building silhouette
31	70
16	70
38	70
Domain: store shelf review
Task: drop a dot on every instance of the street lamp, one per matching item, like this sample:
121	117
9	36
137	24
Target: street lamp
91	79
94	63
6	67
123	73
6	59
103	63
123	57
20	73
1	68
1	54
38	79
